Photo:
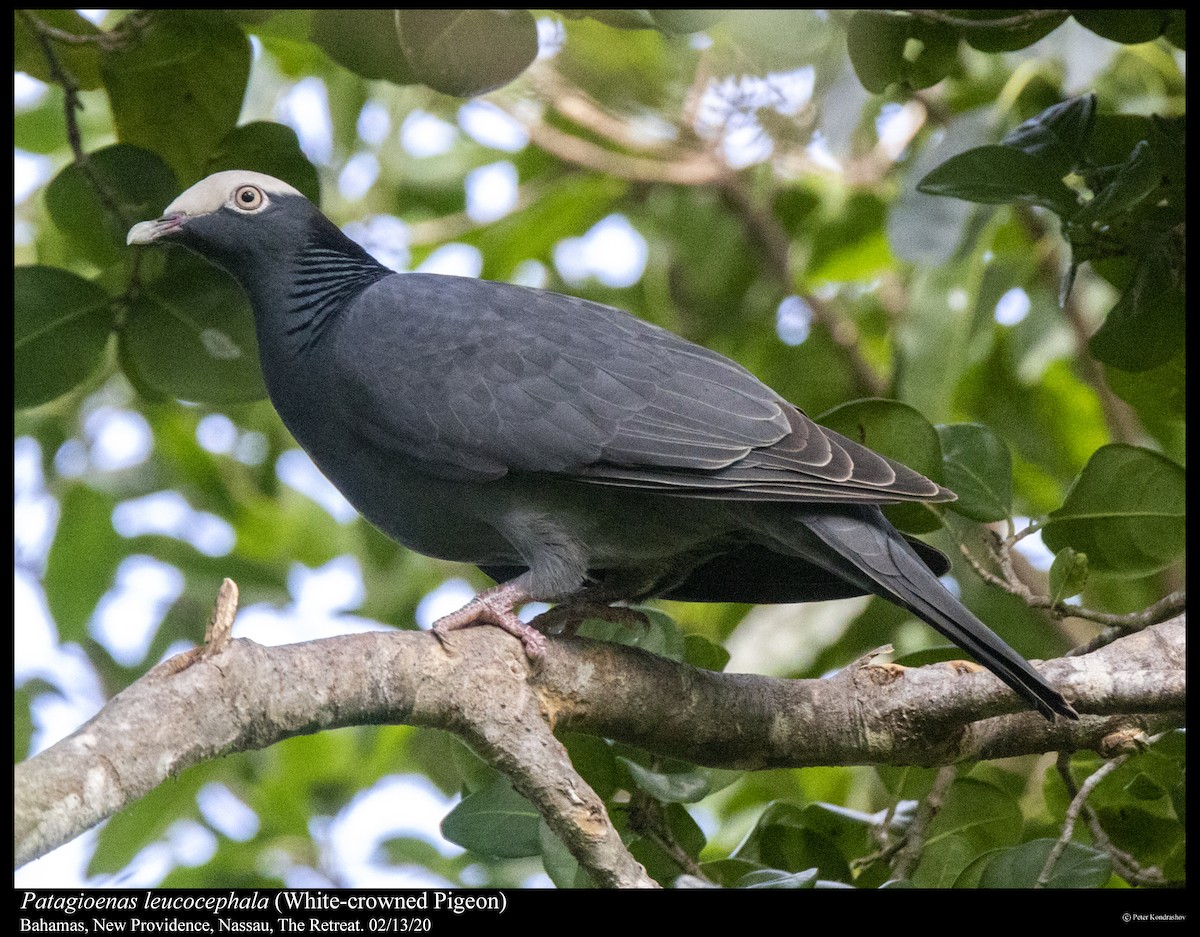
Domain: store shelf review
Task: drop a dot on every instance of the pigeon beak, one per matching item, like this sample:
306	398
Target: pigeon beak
147	232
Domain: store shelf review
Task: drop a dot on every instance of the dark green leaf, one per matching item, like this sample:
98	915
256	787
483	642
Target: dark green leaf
593	758
190	335
271	148
1125	511
781	839
1021	866
775	878
1137	178
887	49
560	865
680	788
1156	394
177	88
1058	134
898	431
976	818
987	36
997	175
467	52
978	468
80	59
1176	30
495	821
1068	574
363	41
134	184
1126	26
61	324
1145	328
703	653
660	635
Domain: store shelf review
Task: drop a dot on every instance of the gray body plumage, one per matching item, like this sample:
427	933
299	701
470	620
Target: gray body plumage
565	445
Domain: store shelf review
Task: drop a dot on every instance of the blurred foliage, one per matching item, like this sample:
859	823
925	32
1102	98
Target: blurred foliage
986	161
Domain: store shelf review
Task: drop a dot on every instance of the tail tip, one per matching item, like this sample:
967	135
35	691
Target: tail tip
1053	702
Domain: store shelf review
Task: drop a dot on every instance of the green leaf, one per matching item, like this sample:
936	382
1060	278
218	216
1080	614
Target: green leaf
190	335
899	432
363	41
1145	328
988	37
776	878
1126	511
1079	866
1176	29
622	71
176	89
997	175
661	635
1059	134
270	148
761	41
562	867
467	52
495	821
1125	26
684	22
83	560
134	184
887	49
1158	393
685	787
853	246
1068	574
700	652
1135	181
42	127
781	839
80	59
976	818
978	468
61	324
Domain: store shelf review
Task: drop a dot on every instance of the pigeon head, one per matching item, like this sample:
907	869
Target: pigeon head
238	220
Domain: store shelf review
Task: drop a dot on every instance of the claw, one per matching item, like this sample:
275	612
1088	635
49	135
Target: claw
495	607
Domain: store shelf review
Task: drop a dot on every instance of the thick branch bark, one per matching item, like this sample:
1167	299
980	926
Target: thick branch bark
480	686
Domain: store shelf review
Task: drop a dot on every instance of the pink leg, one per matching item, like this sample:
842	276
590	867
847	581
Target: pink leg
495	607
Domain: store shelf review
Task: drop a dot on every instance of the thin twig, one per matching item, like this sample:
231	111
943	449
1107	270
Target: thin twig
71	103
914	839
1132	870
106	40
1008	580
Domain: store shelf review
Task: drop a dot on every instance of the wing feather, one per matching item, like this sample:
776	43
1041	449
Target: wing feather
488	378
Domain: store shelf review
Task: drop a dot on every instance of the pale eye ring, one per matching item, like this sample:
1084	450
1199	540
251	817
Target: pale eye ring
248	198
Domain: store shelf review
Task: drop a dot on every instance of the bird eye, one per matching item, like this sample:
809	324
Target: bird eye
248	198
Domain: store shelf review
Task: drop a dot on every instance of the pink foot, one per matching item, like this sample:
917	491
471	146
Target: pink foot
495	607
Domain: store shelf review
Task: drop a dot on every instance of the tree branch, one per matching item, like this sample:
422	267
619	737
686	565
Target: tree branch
480	686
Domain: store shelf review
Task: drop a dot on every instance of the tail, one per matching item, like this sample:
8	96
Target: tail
858	543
